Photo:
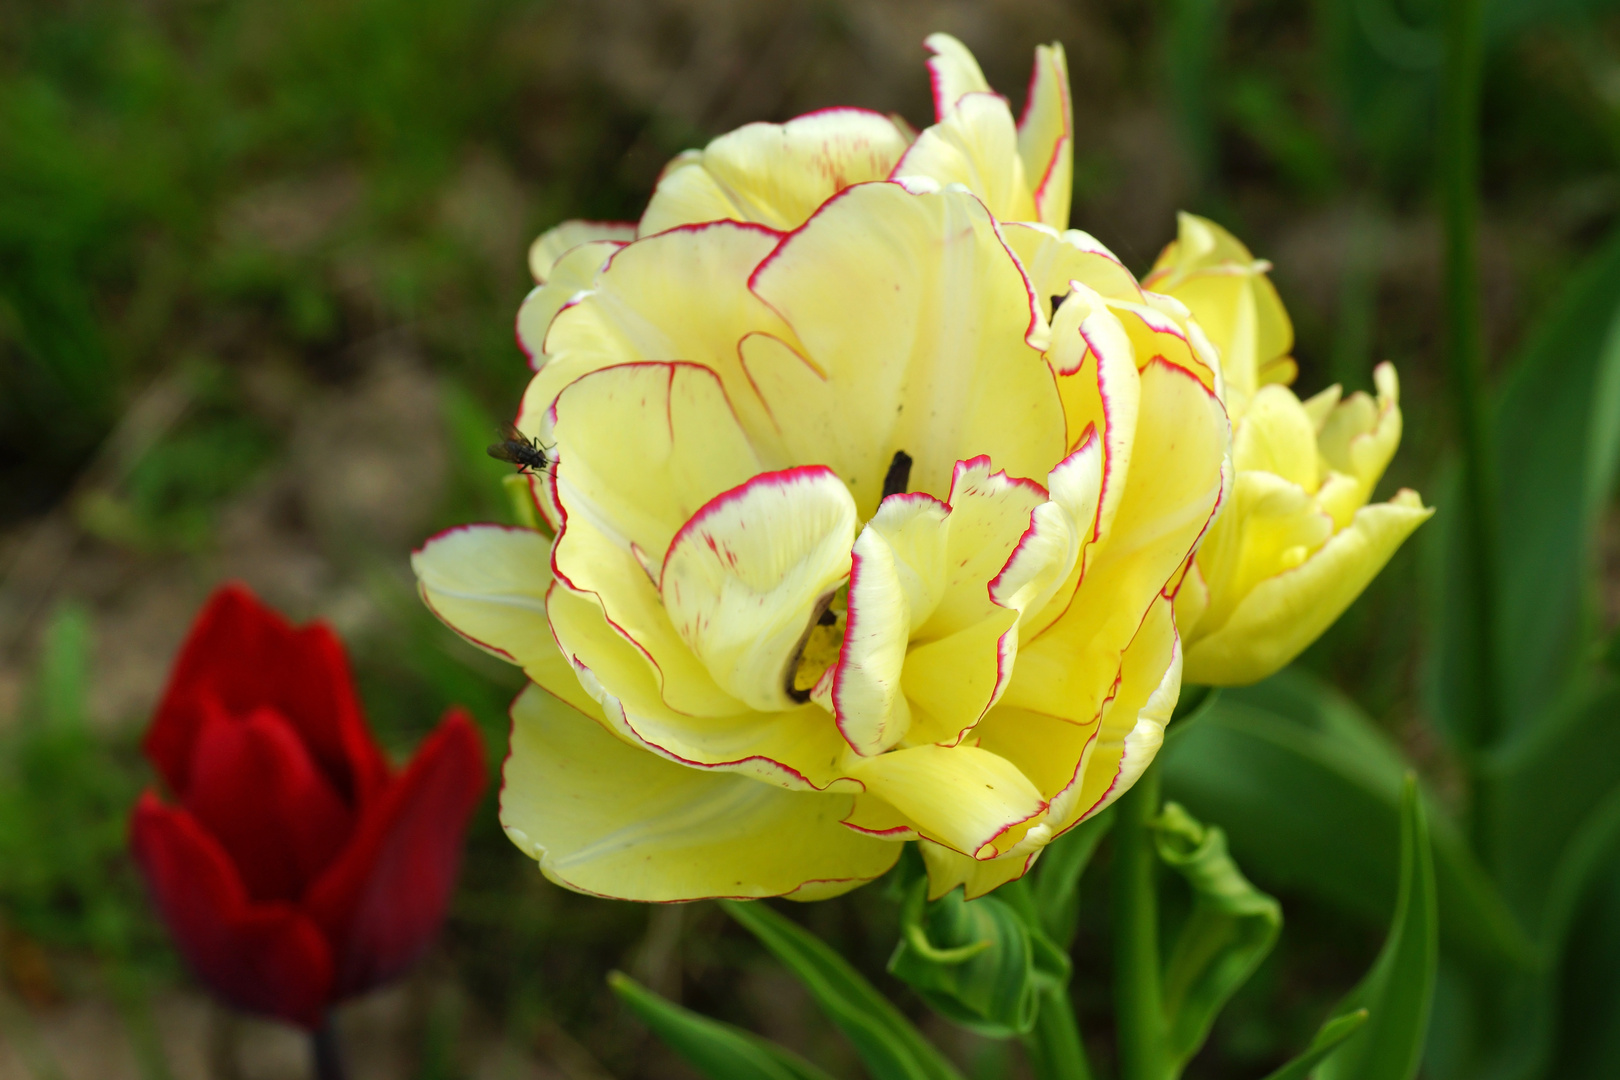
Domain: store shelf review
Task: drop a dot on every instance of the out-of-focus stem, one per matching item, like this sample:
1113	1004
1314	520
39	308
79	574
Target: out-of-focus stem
1138	997
328	1056
1054	1047
1465	362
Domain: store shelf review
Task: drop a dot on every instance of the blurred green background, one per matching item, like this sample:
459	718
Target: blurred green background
259	266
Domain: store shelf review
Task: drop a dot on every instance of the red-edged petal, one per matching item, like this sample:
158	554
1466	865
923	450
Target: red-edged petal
255	788
243	655
265	958
382	902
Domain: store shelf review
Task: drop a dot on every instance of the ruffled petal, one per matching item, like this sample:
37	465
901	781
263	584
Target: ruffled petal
1053	259
1359	437
574	272
1226	288
1046	136
747	575
554	243
776	174
952	71
966	798
948	869
266	958
382	903
867	697
1276	436
914	324
640	448
1282	614
1270	527
1177	477
975	145
798	748
681	295
488	583
603	817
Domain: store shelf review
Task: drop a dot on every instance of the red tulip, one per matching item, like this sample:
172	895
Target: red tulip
298	868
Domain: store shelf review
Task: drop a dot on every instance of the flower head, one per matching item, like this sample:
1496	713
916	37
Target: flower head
858	540
1298	541
297	868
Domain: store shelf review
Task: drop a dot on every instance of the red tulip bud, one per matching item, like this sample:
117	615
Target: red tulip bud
297	868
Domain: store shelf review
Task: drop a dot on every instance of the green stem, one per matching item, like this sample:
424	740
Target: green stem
325	1053
1054	1048
1465	357
1138	997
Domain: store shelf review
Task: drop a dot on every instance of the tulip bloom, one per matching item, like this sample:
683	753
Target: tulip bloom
857	540
297	867
1298	541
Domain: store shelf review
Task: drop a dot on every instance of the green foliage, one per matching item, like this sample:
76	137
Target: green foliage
1057	877
1231	928
886	1041
1328	1039
718	1051
976	962
1399	990
1309	792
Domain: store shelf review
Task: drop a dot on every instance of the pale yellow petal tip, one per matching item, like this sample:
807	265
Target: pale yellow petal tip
554	243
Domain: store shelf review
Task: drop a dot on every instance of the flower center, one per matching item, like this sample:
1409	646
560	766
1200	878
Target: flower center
821	646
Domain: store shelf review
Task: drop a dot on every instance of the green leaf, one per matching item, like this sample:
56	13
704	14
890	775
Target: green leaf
1231	928
972	961
1557	447
718	1051
1328	1038
886	1041
1309	793
1399	990
1057	876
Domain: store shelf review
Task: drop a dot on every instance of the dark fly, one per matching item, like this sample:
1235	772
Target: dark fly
516	448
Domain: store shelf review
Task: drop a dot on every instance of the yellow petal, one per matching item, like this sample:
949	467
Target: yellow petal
640	448
975	144
1176	480
913	319
1268	527
1132	727
1280	616
871	710
798	749
1276	435
963	797
575	271
747	575
953	72
1046	136
681	295
553	243
947	869
1053	259
1359	437
605	818
1226	288
489	584
776	174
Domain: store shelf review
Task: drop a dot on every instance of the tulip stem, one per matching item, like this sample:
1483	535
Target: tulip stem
1138	996
1465	352
323	1044
1053	1047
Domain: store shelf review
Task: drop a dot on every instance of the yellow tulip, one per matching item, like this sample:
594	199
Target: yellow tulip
1297	542
857	541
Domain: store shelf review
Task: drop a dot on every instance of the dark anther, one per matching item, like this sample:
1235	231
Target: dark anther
899	475
1057	302
829	617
